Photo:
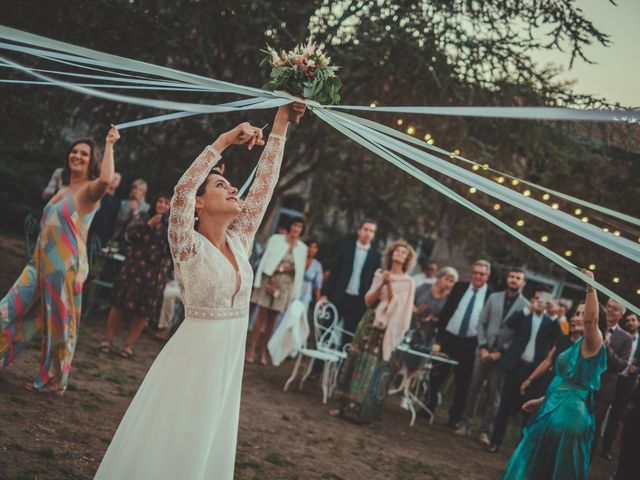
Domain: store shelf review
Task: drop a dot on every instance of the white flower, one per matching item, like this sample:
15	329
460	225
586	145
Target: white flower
311	63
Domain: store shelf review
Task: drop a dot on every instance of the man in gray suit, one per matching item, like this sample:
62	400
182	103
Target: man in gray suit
618	344
492	339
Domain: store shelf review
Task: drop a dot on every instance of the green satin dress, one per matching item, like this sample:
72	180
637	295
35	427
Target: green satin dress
556	443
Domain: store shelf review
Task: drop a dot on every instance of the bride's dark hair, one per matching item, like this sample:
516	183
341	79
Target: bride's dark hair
214	171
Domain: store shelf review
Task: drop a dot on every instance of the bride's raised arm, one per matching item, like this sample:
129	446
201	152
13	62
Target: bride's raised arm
247	223
183	202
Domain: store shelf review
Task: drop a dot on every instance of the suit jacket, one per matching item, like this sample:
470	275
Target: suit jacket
340	274
493	334
520	324
453	300
618	353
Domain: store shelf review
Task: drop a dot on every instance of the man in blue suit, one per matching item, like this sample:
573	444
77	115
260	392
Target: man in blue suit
534	334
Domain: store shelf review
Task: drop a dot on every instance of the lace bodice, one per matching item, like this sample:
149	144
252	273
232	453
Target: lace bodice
206	277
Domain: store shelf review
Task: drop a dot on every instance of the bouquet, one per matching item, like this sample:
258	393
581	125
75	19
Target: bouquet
304	72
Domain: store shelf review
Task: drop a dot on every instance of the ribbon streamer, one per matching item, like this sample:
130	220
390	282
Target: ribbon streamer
383	141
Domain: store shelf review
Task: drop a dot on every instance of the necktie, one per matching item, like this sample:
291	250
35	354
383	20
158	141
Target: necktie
464	326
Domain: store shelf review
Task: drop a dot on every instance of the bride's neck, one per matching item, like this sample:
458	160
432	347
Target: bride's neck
214	229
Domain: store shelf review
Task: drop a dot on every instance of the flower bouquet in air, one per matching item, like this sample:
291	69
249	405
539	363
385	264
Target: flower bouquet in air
303	72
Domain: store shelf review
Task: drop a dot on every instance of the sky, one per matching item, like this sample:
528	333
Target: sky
616	73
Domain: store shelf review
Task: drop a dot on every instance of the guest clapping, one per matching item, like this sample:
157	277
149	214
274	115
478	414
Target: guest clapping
137	292
364	379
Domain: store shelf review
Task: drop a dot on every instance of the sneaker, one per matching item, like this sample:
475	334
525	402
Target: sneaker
484	439
462	430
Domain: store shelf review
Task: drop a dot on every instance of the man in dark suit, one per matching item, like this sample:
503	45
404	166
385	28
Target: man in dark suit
352	274
458	337
625	385
493	335
618	344
534	334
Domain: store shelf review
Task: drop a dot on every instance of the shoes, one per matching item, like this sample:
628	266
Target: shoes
484	439
492	448
462	430
453	425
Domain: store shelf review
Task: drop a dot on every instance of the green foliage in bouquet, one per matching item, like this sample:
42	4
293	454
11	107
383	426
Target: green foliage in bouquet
303	72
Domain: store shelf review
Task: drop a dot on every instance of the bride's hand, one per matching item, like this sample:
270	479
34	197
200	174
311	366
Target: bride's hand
294	111
245	134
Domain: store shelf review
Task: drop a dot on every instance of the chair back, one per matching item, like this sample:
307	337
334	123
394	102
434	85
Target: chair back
325	320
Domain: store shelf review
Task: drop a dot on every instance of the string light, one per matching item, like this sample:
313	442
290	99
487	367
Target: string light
496	206
485	166
527	193
430	141
555	206
592	267
456	152
617	233
546	197
399	121
475	168
427	137
520	223
473	190
605	229
616	279
585	219
638	291
515	182
544	238
500	180
568	253
577	211
373	105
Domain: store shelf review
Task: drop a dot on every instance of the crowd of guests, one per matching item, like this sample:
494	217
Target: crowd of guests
514	348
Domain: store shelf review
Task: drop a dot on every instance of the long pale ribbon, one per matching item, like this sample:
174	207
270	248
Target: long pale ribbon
380	139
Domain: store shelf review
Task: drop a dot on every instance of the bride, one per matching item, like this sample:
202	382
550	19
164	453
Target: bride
183	421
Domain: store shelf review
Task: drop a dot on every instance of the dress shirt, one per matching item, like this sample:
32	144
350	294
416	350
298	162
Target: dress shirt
360	256
455	322
530	350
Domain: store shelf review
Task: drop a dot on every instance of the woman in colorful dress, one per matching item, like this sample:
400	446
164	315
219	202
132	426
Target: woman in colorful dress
183	422
278	282
137	292
556	443
365	376
47	296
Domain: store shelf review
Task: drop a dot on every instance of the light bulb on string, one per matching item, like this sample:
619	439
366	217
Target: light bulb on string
473	190
544	238
616	280
592	267
399	122
555	206
577	211
515	182
546	197
520	223
527	193
568	253
411	130
496	206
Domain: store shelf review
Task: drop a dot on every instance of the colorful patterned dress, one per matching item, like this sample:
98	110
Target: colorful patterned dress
47	296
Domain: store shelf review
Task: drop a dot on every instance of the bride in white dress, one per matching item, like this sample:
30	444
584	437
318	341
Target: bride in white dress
183	422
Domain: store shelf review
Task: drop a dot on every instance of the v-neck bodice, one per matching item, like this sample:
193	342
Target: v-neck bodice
207	278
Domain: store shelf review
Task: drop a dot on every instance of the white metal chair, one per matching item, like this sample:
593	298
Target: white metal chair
325	319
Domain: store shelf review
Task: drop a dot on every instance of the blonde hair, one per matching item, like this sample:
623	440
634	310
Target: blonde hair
482	263
448	272
139	182
387	256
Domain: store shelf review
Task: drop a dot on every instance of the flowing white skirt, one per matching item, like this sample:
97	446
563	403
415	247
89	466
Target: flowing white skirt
183	422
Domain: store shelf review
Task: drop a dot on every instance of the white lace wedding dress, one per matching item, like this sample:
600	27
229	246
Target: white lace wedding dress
183	422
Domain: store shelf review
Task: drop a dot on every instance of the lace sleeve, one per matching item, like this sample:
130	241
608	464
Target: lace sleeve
247	223
182	213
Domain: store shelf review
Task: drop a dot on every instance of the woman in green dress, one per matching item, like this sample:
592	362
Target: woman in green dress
556	443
